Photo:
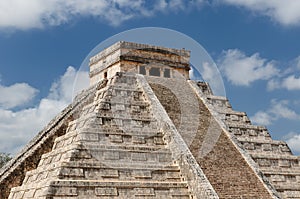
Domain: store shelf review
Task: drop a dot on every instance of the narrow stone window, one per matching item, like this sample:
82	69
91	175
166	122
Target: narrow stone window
105	75
142	70
154	72
167	73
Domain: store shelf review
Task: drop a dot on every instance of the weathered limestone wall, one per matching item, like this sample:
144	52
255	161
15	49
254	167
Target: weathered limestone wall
223	164
123	145
129	55
192	173
274	158
13	173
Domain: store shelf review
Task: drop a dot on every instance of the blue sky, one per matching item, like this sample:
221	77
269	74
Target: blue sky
254	43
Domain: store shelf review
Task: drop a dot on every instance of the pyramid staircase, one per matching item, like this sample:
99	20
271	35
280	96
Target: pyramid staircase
229	169
113	149
273	157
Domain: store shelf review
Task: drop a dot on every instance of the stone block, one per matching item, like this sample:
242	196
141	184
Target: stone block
141	174
17	195
116	138
291	194
284	163
110	173
266	147
144	192
71	172
111	155
138	140
119	107
118	122
106	191
104	106
88	137
138	157
278	178
66	191
164	157
29	193
264	162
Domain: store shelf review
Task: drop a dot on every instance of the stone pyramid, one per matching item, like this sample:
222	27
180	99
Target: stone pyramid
143	130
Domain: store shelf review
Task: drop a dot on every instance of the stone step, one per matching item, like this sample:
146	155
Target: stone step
110	164
248	130
283	179
260	145
81	121
282	171
117	114
104	146
235	117
125	116
168	166
123	87
274	156
287	186
275	160
147	132
88	108
125	139
58	154
124	156
261	141
105	173
106	152
290	194
65	140
292	176
141	103
142	175
99	189
113	164
127	124
140	138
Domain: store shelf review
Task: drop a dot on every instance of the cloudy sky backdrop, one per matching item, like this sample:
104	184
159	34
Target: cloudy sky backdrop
255	44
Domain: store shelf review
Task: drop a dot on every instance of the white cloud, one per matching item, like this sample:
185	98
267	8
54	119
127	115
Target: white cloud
289	79
281	109
177	4
211	74
18	127
242	70
69	85
262	118
161	5
16	95
297	62
273	84
294	143
291	83
284	12
19	14
277	110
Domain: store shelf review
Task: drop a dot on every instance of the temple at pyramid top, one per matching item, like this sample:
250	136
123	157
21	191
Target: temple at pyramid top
139	58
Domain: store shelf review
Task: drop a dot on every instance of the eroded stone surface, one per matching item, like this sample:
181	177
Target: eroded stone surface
114	150
273	158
